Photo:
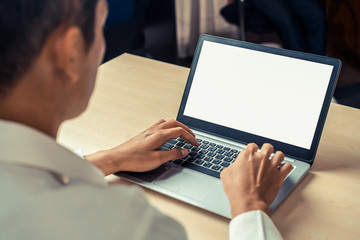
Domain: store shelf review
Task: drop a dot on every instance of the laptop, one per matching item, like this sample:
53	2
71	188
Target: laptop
238	93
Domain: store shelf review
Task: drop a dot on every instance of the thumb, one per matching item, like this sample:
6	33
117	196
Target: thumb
173	154
285	170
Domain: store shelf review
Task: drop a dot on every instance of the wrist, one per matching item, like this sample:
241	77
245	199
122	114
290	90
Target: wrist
104	161
249	204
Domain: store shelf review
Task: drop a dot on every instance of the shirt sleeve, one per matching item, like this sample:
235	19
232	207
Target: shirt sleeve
253	225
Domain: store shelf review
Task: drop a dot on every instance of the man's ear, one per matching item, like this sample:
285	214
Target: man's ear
69	52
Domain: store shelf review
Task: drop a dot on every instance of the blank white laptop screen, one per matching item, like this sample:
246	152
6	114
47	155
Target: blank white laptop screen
261	93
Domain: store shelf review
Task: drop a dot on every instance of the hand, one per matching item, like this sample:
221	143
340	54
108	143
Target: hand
253	181
142	152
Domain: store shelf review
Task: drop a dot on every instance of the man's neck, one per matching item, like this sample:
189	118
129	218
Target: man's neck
24	109
31	121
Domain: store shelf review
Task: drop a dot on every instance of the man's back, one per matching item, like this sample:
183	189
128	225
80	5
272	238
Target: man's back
39	202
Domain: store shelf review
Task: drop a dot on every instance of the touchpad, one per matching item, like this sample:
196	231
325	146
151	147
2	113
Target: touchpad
190	185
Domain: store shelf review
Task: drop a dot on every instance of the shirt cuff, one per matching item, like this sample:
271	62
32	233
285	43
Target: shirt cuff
253	225
80	154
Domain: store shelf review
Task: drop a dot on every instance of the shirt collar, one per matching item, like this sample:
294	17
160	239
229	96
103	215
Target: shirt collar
22	145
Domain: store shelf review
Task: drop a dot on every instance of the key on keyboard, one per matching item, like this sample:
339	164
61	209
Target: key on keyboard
209	158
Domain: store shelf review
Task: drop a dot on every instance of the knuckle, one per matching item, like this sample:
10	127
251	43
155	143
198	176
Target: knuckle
178	130
149	132
245	152
159	134
161	121
252	145
172	121
288	164
179	153
280	154
269	146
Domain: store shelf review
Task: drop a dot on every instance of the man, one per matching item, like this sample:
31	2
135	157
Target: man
50	51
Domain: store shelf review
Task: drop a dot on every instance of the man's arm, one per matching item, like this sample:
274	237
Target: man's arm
251	183
142	152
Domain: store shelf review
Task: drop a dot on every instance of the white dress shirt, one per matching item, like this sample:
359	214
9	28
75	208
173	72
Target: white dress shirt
48	192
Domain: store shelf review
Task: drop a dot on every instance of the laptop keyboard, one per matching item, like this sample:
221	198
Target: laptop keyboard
209	158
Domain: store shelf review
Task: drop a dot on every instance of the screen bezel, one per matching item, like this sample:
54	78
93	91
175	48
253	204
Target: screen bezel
243	137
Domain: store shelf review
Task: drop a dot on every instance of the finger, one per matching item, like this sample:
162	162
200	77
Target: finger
247	154
173	123
277	158
157	123
285	170
172	154
266	150
165	135
252	147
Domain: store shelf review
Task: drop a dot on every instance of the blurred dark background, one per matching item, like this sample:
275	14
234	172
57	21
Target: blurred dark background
142	27
148	28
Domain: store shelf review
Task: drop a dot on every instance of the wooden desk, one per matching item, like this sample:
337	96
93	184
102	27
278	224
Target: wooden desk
133	92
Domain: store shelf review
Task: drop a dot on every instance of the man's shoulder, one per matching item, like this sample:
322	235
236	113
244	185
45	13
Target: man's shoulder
30	188
43	208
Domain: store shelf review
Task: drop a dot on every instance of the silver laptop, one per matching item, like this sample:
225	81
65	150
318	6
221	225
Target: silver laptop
238	93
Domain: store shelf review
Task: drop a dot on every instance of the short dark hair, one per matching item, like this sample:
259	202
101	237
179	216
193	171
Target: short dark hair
25	26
